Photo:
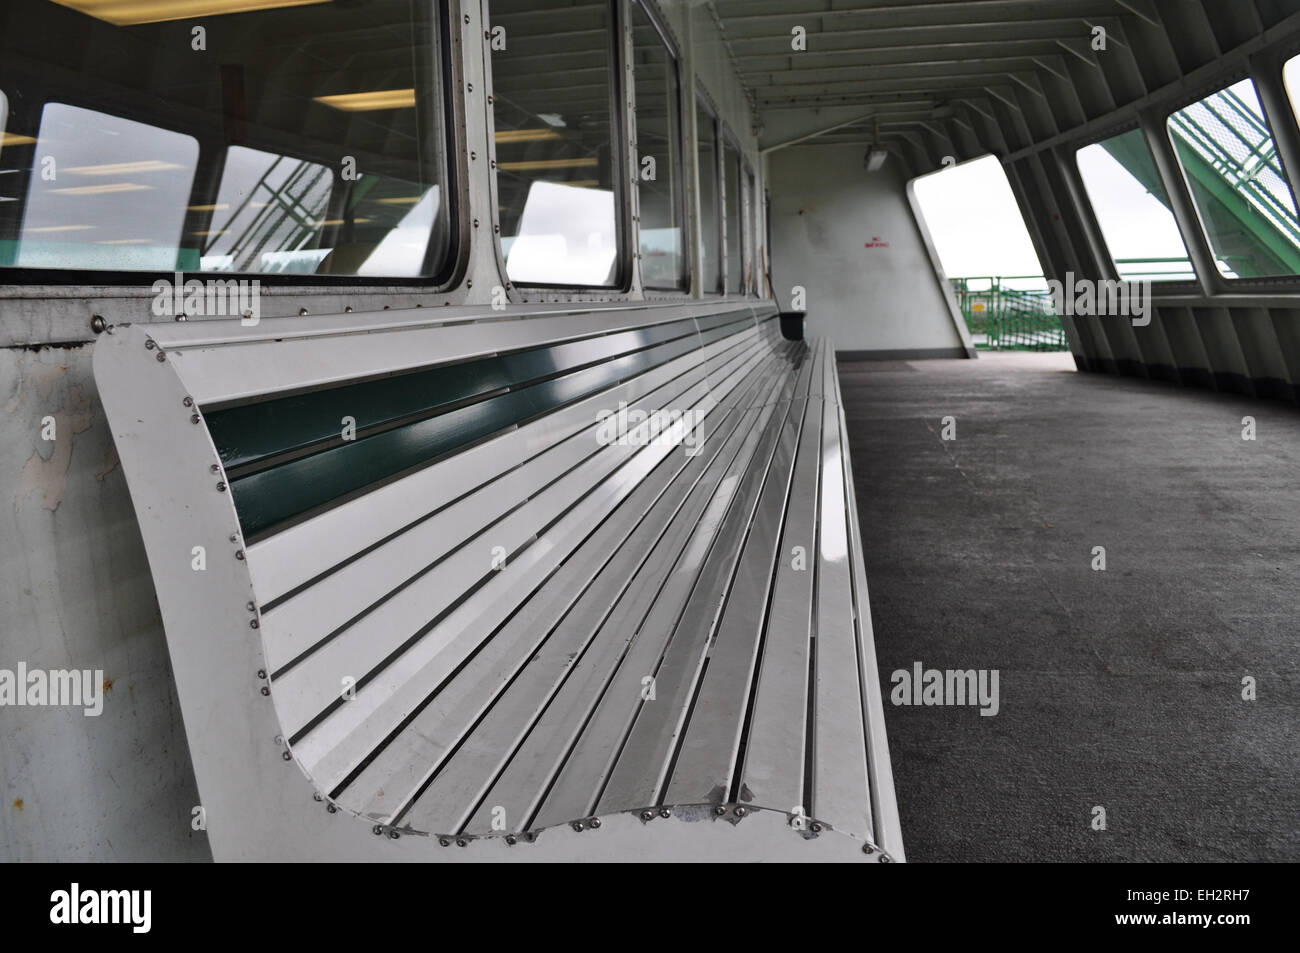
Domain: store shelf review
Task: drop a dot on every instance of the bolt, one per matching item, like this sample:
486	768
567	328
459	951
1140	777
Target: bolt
287	756
188	401
578	826
261	673
393	835
815	827
161	357
868	849
239	554
741	812
510	840
461	842
214	468
221	488
331	808
252	623
377	830
194	418
252	606
302	312
470	88
647	815
594	823
720	810
181	317
98	324
149	345
316	796
265	690
886	859
443	842
664	812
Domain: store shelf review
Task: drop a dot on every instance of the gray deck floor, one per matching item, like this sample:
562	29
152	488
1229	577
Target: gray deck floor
1120	689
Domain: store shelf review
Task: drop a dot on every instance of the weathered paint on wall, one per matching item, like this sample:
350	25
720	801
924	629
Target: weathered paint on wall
849	238
75	593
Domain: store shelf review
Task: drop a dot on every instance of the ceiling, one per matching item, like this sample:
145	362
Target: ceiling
934	78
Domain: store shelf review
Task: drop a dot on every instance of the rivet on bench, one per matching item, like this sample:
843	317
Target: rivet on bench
265	690
161	356
665	812
331	808
287	756
221	487
261	673
816	827
511	840
443	842
579	826
252	606
461	842
647	815
393	835
239	554
741	811
253	623
194	418
188	401
868	849
720	810
377	830
594	823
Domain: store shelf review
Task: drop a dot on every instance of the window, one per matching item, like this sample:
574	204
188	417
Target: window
1232	168
302	138
1132	209
710	224
659	150
753	265
732	202
557	158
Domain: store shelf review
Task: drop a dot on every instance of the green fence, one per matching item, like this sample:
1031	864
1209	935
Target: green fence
1008	319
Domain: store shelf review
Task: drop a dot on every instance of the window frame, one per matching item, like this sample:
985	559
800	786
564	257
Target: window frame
685	271
1177	285
620	172
1204	91
445	68
728	139
704	102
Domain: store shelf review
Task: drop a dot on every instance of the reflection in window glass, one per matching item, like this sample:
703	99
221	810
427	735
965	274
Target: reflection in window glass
104	190
1132	209
710	225
658	138
1232	168
306	138
731	198
556	160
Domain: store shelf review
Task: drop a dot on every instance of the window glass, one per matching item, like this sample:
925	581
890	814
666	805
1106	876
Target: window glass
284	136
1132	209
1235	176
732	201
557	162
658	144
710	225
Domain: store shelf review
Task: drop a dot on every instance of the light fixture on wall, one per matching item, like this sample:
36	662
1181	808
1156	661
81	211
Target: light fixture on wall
877	154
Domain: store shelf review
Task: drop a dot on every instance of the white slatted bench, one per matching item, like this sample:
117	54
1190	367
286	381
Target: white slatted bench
430	579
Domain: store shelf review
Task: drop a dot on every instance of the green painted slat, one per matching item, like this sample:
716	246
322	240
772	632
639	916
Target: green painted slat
270	497
257	433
